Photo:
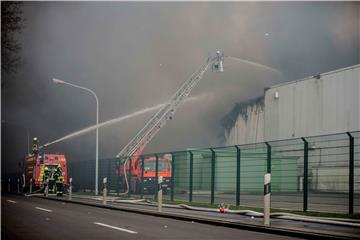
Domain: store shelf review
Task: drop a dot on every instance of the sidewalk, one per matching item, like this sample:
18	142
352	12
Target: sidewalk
278	226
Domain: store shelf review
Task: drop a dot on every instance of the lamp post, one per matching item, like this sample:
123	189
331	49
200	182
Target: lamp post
58	81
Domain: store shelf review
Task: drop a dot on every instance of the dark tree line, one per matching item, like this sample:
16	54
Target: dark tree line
11	24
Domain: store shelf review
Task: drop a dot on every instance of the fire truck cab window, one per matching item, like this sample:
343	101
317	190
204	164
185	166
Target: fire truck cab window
151	165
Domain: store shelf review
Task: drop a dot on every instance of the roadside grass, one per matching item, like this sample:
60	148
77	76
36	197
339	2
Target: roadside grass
233	207
273	210
83	193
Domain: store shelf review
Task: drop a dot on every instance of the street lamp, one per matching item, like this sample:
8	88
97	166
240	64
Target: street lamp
58	81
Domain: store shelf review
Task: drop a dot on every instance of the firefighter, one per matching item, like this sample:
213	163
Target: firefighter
45	177
35	148
46	174
59	181
52	180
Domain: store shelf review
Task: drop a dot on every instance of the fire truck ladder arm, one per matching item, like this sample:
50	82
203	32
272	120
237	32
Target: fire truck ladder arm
149	131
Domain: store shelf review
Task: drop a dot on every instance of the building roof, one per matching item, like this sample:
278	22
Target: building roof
312	77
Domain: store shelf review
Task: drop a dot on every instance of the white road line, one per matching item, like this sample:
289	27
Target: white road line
11	201
117	228
44	209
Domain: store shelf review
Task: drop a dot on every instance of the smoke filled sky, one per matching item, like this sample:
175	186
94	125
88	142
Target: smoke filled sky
136	54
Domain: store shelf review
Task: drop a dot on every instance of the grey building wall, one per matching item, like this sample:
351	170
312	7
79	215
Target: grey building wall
305	107
314	106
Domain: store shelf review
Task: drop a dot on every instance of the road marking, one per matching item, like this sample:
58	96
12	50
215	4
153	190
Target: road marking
117	228
11	201
44	209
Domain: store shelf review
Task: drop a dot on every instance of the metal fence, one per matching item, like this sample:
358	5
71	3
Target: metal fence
320	173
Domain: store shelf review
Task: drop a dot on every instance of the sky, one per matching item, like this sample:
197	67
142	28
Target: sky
135	55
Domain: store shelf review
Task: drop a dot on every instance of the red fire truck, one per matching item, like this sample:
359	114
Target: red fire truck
150	180
34	168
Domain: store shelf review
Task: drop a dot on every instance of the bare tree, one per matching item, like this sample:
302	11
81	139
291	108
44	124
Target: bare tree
11	23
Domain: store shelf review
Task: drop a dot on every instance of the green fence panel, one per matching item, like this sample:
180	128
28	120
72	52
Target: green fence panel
315	173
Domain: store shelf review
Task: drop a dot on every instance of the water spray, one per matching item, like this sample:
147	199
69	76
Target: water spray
115	120
265	67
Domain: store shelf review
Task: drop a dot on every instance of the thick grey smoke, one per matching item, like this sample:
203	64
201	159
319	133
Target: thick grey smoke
135	55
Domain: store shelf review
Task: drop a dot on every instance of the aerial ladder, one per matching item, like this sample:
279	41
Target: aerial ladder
136	146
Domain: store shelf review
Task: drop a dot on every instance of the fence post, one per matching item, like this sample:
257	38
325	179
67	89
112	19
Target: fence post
268	148
9	185
142	176
191	175
305	179
70	188
267	203
238	155
351	173
159	193
156	175
172	176
104	190
130	172
30	186
212	175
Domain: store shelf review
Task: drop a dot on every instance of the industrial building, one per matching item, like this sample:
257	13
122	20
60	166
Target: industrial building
323	104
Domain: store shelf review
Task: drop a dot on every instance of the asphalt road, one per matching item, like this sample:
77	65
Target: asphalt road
35	218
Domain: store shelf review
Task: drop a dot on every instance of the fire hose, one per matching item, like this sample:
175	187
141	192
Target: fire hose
250	213
282	215
35	193
278	215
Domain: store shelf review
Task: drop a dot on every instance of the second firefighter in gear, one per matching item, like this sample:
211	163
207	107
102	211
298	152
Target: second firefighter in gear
59	181
46	176
52	181
35	148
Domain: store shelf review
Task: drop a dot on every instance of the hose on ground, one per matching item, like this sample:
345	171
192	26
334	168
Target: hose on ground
281	215
251	213
34	193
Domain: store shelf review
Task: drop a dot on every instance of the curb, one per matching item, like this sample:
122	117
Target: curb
293	232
